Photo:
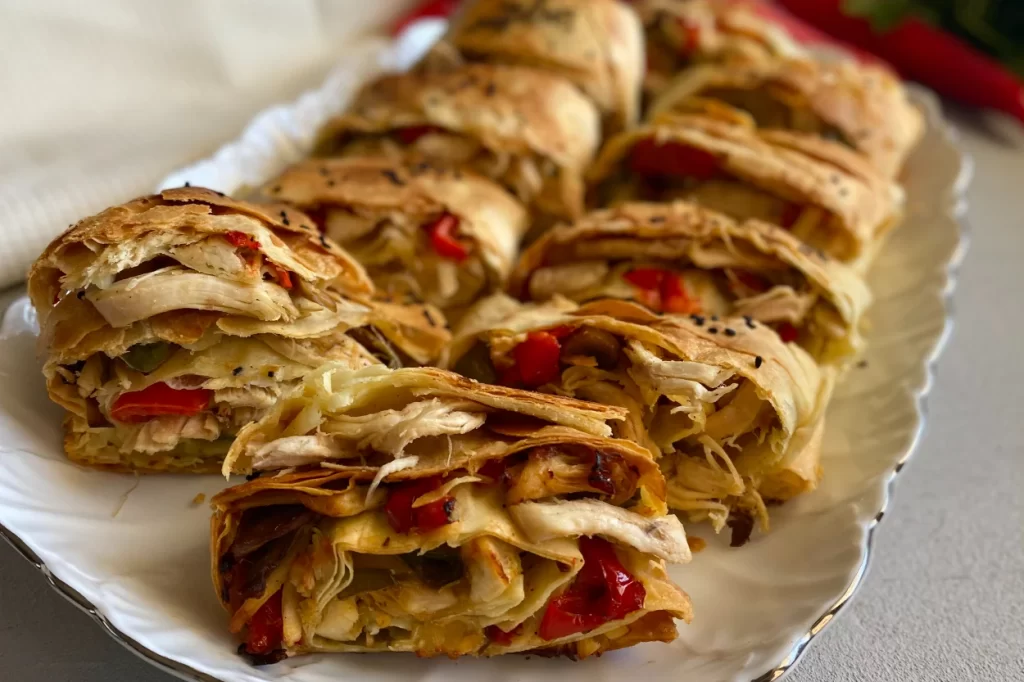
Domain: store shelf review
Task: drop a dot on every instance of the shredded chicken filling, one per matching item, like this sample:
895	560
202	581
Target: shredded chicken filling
396	251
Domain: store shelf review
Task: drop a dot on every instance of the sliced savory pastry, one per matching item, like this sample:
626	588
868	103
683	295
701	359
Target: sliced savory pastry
439	235
596	44
736	414
681	258
682	33
825	194
531	131
171	321
862	106
422	512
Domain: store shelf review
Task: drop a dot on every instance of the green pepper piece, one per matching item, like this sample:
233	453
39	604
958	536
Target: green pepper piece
146	357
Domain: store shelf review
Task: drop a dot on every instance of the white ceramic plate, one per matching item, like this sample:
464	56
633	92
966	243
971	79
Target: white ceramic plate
133	552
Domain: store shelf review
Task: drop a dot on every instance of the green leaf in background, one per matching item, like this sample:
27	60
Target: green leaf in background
883	14
995	27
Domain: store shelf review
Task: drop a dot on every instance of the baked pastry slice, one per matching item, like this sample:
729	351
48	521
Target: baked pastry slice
683	33
596	44
533	132
825	194
735	414
681	258
423	512
169	322
860	105
443	236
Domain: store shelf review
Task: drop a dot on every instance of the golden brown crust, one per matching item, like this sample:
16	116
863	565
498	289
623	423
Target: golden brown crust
597	44
376	187
510	111
786	375
587	419
680	34
680	229
865	103
865	204
190	208
507	108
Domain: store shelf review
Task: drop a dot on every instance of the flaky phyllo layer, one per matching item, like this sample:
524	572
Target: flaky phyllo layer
172	321
423	512
682	35
821	192
439	235
734	413
681	258
532	132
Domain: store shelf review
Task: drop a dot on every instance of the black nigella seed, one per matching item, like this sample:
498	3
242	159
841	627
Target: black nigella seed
393	177
275	189
712	330
697	320
188	184
236	371
749	320
730	332
714	318
80	295
323	240
270	374
758	360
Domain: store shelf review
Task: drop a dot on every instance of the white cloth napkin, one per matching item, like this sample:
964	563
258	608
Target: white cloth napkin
100	100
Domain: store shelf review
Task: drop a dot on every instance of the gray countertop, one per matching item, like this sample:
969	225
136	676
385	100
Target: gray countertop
944	598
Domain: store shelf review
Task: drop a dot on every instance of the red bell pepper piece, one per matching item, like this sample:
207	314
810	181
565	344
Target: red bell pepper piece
241	240
404	518
443	240
662	290
511	377
691	32
411	134
750	280
499	636
493	469
537	359
266	629
651	158
159	399
924	53
424	10
788	333
674	298
603	591
790	214
281	276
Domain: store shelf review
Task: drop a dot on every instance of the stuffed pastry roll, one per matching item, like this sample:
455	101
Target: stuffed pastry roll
683	33
736	414
681	258
422	512
862	106
531	131
443	236
825	194
596	44
171	321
